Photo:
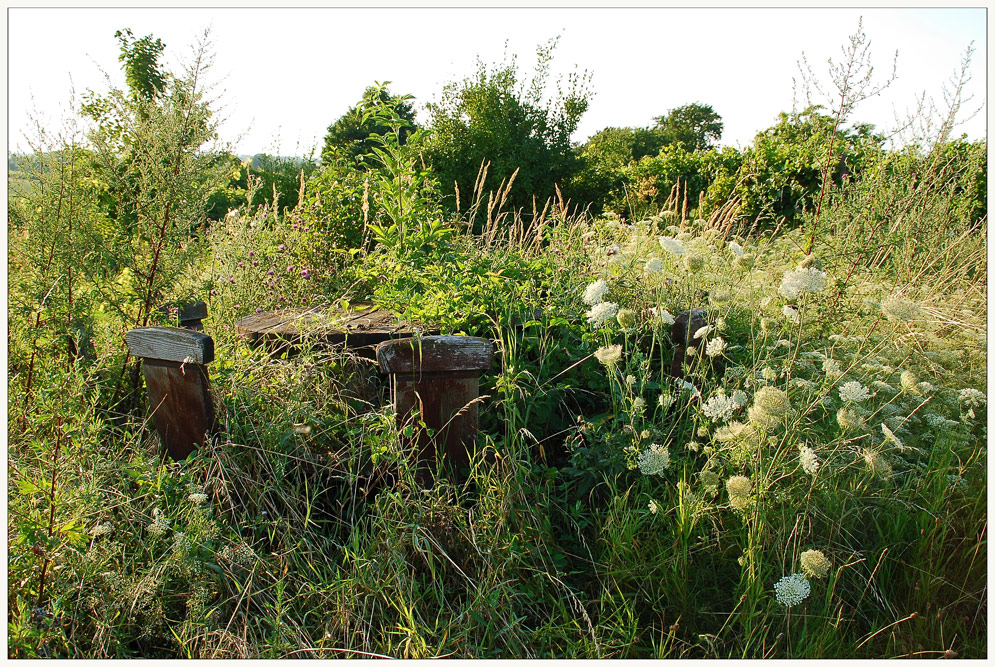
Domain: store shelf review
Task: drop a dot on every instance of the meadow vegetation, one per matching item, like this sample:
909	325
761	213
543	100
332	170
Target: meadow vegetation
808	482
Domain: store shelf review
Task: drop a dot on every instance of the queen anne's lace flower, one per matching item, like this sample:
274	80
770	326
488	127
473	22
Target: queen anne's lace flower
849	419
609	355
720	407
900	309
809	460
831	367
971	397
854	392
626	318
653	507
739	489
595	292
159	524
654	265
909	382
815	564
877	463
792	590
791	314
702	331
693	263
710	480
770	404
889	436
655	460
673	246
736	249
797	282
197	498
102	529
601	313
715	347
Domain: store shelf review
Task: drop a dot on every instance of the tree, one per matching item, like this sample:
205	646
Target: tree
495	118
782	170
351	134
693	126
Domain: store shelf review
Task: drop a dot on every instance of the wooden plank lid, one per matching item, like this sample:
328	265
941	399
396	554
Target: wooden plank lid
171	344
434	354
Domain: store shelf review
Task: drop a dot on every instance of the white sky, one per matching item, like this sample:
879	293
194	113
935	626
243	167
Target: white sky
286	74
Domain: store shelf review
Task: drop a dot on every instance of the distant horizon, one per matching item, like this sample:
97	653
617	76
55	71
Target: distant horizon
644	62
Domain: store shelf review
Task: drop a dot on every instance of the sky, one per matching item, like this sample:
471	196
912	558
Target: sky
281	76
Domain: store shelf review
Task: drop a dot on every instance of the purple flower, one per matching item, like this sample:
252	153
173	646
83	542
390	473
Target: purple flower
270	272
255	262
241	264
183	201
283	247
293	226
259	310
290	268
231	280
282	298
252	254
213	292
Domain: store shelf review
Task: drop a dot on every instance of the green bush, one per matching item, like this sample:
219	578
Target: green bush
498	119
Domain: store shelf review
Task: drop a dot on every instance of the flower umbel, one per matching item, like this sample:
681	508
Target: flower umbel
601	313
792	590
739	489
815	564
609	355
655	460
595	292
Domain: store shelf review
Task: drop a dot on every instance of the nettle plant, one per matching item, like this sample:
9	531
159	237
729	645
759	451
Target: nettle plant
776	405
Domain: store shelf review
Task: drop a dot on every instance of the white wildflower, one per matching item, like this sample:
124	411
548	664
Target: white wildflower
595	292
898	308
715	347
792	590
739	489
666	400
197	498
673	246
797	282
791	315
609	355
602	313
971	397
815	564
889	436
832	369
654	265
703	331
687	386
654	508
102	529
159	524
809	460
854	392
736	249
655	460
720	407
877	463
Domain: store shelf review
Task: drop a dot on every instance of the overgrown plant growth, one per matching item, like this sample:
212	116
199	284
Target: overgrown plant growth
805	477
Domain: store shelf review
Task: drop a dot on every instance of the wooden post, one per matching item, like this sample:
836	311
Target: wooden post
174	362
682	333
189	315
439	376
